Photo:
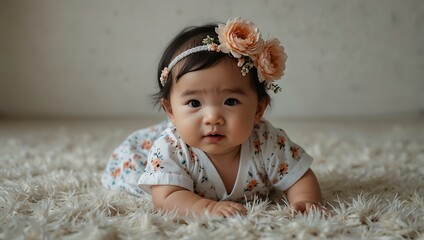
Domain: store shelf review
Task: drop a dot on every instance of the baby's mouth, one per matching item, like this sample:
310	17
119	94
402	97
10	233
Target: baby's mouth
214	134
214	137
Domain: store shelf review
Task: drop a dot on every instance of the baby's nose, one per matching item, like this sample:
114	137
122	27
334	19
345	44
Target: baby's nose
213	117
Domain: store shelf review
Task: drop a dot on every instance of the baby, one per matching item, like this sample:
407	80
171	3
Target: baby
216	151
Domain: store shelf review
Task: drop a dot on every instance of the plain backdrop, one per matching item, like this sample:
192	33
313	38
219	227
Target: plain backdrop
98	58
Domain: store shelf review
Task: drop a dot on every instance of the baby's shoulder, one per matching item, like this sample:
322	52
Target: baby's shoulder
266	130
169	147
266	138
169	136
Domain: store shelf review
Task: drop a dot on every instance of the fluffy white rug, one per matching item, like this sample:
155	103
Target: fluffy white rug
371	173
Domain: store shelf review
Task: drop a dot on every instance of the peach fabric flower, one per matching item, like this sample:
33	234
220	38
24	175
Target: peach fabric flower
164	76
240	37
213	47
271	61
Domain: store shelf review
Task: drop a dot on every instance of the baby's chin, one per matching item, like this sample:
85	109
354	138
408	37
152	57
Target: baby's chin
214	150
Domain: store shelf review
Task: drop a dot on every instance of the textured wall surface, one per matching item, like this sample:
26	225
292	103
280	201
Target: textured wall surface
99	57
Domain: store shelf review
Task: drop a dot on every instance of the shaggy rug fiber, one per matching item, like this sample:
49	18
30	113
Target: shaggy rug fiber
371	173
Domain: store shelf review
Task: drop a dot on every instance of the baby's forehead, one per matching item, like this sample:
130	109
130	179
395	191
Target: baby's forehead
219	78
189	65
213	91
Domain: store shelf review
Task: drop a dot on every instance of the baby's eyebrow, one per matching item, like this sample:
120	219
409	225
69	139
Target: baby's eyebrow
190	92
235	90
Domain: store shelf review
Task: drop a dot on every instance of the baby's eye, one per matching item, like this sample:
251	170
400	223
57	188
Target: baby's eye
231	102
194	103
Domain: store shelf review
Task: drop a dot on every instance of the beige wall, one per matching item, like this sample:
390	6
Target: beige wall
99	57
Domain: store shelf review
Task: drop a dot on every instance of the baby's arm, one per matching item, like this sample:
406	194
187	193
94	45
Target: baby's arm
169	198
305	193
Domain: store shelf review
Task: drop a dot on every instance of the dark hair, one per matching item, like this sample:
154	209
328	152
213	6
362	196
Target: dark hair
188	38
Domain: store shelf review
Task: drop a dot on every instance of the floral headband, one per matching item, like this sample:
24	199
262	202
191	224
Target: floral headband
241	39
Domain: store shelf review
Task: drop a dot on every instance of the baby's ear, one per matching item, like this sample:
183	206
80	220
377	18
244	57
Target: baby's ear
167	106
262	106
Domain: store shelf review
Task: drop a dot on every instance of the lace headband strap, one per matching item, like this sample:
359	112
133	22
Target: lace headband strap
179	57
186	53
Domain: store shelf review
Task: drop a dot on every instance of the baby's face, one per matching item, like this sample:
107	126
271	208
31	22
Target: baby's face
215	109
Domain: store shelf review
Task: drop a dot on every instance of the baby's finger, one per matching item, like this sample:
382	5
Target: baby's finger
231	210
228	213
322	209
240	208
327	212
299	207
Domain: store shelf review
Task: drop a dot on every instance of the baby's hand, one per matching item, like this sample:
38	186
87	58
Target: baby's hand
227	208
307	207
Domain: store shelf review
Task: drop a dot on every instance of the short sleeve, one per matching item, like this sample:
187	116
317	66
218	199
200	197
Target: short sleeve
167	164
285	162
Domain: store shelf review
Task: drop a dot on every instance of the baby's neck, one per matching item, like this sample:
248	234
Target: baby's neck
232	155
227	166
